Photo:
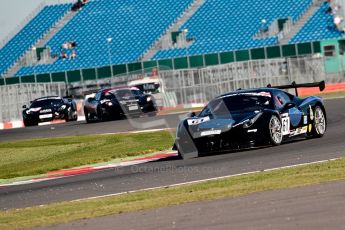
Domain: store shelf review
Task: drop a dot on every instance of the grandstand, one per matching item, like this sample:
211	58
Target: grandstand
111	32
30	34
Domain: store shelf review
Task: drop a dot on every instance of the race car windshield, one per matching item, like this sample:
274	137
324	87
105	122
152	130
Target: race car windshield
123	94
46	103
152	88
237	103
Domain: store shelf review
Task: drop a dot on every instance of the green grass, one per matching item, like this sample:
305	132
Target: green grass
38	156
230	187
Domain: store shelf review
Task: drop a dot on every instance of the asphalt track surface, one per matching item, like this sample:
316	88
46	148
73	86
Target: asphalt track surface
82	128
309	207
172	170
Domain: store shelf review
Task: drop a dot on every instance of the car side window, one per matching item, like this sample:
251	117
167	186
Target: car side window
137	93
98	96
280	99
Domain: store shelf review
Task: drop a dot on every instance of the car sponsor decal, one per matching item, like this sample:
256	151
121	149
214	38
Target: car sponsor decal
104	101
44	116
305	120
198	120
48	98
311	113
299	131
252	131
46	111
133	107
285	124
210	132
263	94
310	127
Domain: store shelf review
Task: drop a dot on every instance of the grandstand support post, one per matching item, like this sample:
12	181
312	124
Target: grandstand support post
66	78
185	31
34	62
81	78
109	40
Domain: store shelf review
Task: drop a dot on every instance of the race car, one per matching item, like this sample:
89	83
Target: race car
49	108
117	103
250	118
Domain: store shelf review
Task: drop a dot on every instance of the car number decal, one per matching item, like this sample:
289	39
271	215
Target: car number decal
210	132
198	121
285	125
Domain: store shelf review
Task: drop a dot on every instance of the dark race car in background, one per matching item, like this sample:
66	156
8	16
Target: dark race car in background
48	109
118	103
248	118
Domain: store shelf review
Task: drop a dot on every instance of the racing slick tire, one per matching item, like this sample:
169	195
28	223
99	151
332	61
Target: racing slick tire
100	115
319	123
68	117
275	133
87	116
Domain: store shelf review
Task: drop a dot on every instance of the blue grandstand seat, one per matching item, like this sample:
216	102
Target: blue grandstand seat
134	25
313	30
33	31
231	25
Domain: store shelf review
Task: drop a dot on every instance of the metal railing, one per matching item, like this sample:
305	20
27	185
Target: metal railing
13	97
201	85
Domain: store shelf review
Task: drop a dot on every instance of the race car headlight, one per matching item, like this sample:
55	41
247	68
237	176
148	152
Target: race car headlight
110	103
33	110
251	121
62	107
148	99
104	101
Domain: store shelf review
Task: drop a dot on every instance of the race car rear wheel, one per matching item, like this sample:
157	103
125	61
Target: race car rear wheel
100	115
87	116
275	131
319	124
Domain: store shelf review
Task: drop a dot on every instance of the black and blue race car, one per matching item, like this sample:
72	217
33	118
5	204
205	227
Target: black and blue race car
49	108
249	118
118	103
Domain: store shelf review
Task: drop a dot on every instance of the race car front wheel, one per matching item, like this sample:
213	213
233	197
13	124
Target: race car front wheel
319	124
275	131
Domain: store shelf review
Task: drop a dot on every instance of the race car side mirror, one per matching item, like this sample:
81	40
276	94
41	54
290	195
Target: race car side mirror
24	107
289	105
191	114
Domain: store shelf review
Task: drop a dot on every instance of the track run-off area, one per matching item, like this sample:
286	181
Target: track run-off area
168	171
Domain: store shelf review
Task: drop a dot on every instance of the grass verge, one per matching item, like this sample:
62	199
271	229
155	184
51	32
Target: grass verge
230	187
38	156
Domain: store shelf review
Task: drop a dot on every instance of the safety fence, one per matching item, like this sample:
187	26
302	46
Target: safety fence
186	87
13	97
201	85
99	74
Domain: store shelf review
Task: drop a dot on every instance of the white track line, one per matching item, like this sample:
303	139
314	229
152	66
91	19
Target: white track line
204	180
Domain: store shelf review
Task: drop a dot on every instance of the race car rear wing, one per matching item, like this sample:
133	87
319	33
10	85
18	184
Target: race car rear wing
295	86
